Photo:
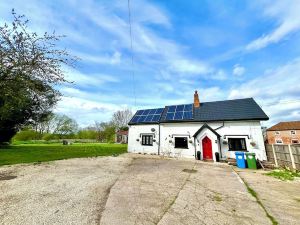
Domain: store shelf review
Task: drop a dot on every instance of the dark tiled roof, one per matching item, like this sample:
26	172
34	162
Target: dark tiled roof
292	125
229	110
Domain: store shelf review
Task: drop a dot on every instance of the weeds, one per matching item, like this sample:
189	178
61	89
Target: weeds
284	174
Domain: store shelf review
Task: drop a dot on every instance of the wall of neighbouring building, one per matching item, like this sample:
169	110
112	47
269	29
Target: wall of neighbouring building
250	129
285	136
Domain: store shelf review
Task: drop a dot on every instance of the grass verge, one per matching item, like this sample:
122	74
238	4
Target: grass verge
255	195
29	153
284	174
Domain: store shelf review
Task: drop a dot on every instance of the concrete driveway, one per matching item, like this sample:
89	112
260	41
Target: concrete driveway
128	189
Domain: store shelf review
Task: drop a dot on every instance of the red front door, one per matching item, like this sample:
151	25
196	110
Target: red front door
207	149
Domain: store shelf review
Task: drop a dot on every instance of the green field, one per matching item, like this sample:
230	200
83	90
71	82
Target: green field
28	153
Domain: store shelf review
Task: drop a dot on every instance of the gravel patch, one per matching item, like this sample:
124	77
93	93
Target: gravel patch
70	191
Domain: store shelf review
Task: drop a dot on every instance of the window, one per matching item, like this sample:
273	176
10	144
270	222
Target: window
295	141
277	132
279	141
237	144
293	132
147	140
181	142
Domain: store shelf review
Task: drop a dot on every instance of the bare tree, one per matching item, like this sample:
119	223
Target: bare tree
121	118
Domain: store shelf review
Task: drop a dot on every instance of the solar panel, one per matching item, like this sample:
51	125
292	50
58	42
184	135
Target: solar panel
147	115
149	118
159	111
134	119
152	111
170	116
139	112
188	115
179	108
178	116
146	112
172	108
180	112
155	118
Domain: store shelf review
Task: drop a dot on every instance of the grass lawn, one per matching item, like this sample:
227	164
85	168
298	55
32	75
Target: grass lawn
27	153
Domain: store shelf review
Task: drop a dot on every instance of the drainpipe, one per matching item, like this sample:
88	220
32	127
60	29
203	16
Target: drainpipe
195	148
158	139
220	150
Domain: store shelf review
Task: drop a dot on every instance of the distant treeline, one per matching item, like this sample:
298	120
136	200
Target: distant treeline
57	127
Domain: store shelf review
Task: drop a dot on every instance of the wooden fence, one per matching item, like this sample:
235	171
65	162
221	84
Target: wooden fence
284	155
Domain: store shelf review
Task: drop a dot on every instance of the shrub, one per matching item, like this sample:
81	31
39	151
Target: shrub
27	135
48	137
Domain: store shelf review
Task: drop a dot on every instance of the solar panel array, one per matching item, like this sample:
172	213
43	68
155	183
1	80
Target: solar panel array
180	112
147	115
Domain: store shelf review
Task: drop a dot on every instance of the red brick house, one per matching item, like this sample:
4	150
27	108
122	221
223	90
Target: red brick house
122	136
284	133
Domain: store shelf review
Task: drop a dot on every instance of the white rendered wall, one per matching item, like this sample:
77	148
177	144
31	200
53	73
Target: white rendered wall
135	146
171	130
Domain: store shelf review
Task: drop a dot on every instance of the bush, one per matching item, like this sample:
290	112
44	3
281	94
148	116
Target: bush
49	137
27	135
87	134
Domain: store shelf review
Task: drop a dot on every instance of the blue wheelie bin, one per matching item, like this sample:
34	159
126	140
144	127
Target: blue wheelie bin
240	160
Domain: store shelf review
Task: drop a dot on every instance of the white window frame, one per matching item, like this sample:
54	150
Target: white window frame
293	132
277	132
295	140
278	139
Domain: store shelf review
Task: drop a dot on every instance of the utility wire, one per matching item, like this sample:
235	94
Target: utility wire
132	65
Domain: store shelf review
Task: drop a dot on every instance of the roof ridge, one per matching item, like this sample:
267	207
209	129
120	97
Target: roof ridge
213	101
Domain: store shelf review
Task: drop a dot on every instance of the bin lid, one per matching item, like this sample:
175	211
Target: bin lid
250	153
239	153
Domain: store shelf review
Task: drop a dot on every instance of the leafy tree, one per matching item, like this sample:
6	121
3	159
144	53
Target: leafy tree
26	135
30	68
87	134
105	131
64	126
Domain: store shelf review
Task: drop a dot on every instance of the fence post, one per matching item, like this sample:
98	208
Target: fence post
274	154
292	157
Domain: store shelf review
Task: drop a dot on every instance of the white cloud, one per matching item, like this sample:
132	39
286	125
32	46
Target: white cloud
275	90
238	70
114	59
189	67
84	111
288	15
219	75
81	79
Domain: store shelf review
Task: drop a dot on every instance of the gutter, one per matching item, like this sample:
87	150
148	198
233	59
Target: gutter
220	126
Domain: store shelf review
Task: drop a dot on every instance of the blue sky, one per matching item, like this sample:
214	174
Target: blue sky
223	49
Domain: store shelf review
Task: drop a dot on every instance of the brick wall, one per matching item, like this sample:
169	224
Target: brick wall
285	136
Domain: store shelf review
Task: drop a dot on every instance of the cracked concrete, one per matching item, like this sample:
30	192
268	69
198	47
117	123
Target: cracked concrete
156	191
129	189
280	198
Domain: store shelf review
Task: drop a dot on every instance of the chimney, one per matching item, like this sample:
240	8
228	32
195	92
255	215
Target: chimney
196	100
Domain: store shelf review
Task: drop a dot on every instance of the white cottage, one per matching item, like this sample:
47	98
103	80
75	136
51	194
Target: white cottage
208	130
